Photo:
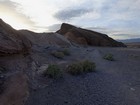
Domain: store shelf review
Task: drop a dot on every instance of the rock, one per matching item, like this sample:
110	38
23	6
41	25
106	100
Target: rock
46	39
16	90
87	37
42	68
132	89
12	41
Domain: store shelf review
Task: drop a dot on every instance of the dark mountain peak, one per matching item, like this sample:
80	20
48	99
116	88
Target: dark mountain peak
65	27
68	26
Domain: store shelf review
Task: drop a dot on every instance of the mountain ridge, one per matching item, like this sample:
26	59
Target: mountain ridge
130	40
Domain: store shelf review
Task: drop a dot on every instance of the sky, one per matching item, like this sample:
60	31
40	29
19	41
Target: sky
120	19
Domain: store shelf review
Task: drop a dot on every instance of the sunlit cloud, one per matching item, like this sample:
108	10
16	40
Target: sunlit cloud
9	14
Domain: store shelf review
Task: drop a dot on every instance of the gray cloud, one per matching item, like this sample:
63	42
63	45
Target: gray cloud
54	27
125	36
68	13
8	3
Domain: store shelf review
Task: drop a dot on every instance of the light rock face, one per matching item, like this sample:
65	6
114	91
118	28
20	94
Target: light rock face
87	37
12	41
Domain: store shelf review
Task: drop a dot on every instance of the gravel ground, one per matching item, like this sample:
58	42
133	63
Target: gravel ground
114	82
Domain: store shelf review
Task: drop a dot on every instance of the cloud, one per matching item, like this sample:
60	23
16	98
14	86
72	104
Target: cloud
9	14
54	27
8	3
68	14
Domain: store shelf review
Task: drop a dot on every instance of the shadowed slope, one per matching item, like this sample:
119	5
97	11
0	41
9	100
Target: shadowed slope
12	41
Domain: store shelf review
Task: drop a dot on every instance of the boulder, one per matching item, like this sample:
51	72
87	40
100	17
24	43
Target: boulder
87	37
12	41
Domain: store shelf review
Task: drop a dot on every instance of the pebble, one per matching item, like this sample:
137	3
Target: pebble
132	89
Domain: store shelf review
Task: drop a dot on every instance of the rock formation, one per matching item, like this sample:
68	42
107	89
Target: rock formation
87	37
45	39
12	41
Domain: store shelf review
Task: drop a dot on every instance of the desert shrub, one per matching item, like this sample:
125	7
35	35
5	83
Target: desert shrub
109	57
81	67
88	66
58	54
66	52
53	71
75	69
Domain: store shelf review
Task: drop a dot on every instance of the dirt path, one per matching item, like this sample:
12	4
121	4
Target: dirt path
114	83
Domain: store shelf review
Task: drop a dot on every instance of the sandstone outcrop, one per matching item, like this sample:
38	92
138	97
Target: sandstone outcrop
12	41
87	37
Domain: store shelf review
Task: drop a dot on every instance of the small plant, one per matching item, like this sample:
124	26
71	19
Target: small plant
58	54
81	67
88	66
75	69
53	71
109	57
66	52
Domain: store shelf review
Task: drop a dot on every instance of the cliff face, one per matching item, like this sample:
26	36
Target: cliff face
12	41
87	37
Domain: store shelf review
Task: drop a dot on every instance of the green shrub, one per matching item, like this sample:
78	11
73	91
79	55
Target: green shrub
81	67
66	52
88	66
75	69
58	54
109	57
53	71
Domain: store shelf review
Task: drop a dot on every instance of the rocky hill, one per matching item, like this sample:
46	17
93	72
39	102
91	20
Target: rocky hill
12	41
20	41
87	37
45	39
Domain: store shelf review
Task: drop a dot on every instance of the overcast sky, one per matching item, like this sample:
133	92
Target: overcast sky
119	19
